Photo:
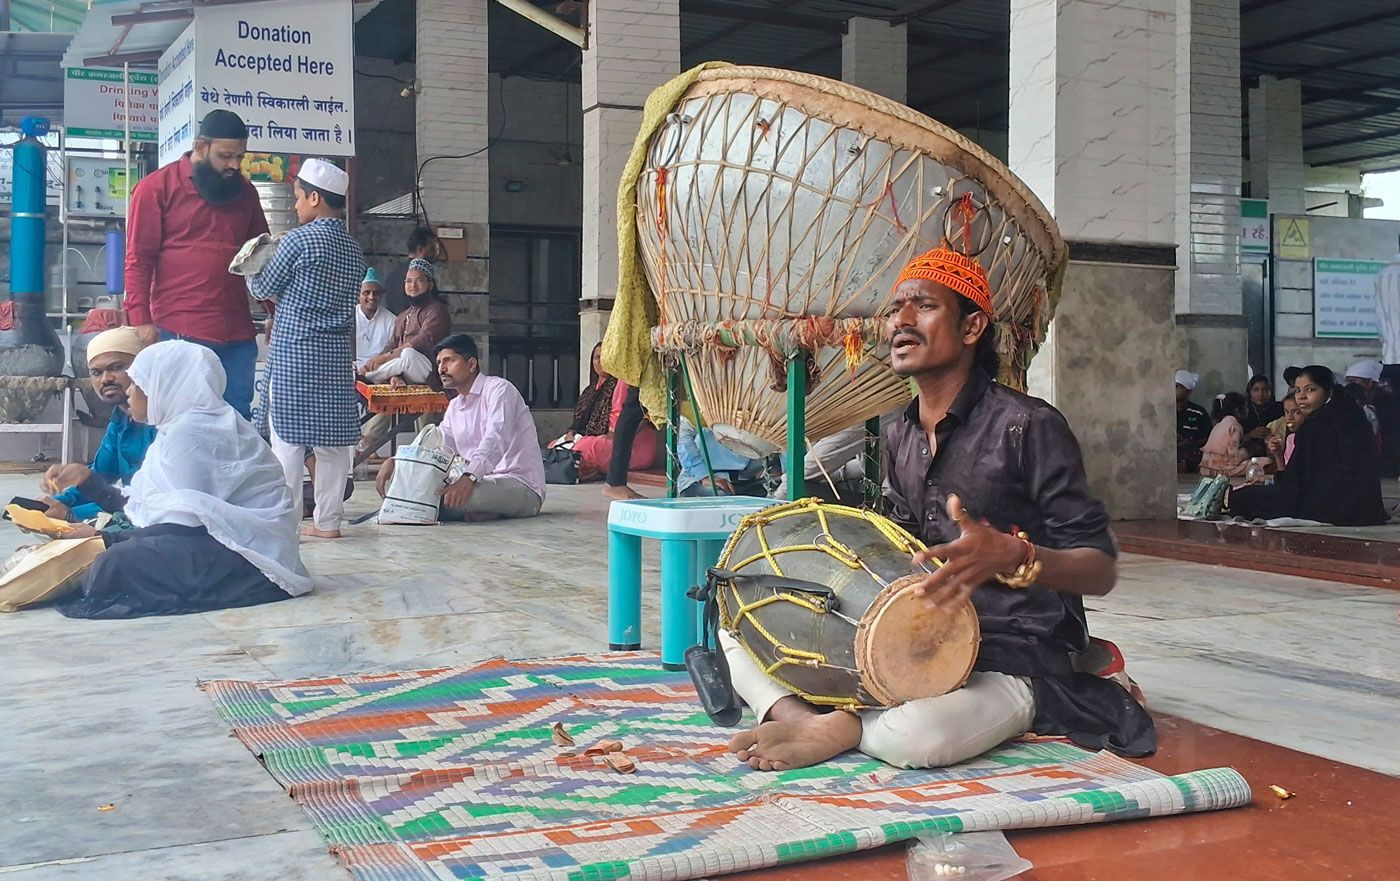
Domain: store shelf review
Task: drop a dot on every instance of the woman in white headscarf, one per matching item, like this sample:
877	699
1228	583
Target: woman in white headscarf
216	527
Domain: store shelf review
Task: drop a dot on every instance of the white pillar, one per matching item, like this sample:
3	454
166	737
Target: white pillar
633	47
452	119
1209	298
1092	119
875	56
1276	169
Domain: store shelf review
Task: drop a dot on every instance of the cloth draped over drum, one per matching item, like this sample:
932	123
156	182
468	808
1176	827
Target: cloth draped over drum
765	214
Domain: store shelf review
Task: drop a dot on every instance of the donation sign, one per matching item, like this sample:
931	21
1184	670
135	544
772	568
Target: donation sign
100	102
177	103
290	77
1344	298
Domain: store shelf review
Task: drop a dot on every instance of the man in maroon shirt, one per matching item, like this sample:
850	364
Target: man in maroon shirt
186	222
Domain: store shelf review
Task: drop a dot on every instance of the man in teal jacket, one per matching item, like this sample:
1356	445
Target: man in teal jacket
124	445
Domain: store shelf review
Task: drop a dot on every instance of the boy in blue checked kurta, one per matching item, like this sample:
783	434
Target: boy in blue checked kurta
309	393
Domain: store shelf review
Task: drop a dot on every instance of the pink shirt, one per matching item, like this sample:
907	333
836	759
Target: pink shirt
491	428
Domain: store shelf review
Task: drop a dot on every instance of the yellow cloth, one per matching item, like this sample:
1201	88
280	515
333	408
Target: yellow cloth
627	352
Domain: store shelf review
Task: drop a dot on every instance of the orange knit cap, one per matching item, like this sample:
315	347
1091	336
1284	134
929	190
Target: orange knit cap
961	273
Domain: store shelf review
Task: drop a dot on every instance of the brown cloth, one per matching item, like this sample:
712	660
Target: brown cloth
423	325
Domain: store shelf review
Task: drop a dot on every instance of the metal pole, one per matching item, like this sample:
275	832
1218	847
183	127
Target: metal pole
126	142
673	418
62	222
797	426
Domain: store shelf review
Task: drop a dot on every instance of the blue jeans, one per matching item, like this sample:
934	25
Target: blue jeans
240	360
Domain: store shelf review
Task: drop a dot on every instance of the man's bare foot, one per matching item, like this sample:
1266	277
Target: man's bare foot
810	740
620	493
313	532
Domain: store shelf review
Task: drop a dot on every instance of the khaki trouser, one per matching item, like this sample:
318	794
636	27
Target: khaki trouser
501	495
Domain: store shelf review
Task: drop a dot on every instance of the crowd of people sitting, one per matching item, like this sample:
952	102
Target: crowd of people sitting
1319	454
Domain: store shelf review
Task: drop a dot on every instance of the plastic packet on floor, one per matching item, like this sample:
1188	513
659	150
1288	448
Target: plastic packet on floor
967	856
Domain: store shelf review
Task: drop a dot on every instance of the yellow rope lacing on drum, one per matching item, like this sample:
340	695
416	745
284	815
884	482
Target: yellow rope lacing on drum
833	548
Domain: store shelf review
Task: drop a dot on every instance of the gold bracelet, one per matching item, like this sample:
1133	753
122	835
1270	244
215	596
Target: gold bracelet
1024	575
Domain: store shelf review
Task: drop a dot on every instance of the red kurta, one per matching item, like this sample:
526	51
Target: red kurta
178	247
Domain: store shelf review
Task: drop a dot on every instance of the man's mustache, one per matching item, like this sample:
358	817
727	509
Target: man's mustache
907	333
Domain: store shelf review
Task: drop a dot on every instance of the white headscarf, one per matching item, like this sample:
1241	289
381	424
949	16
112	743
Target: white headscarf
208	466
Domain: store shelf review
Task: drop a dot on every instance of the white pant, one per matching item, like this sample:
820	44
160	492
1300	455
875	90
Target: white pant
931	733
411	364
332	467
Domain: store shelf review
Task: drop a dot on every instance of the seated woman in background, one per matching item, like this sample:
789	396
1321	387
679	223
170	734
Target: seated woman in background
1223	455
216	527
1260	410
1333	475
593	412
1281	446
595	450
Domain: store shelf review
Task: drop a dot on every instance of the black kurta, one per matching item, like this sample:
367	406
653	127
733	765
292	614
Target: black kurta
1012	459
1333	476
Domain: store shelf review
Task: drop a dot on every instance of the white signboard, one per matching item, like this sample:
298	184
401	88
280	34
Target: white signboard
177	101
1344	298
99	102
292	84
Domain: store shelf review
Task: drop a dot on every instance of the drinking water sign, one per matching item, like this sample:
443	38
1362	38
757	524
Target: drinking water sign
292	84
1344	298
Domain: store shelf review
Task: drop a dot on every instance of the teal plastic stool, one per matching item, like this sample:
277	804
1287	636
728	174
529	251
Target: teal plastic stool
692	533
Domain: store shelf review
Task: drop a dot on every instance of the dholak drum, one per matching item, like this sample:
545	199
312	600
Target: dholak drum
821	597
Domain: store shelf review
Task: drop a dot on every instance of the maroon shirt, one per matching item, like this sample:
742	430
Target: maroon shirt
178	247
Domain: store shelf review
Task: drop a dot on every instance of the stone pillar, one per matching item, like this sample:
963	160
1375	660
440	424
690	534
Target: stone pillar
452	119
1209	301
1093	88
1276	169
633	47
875	56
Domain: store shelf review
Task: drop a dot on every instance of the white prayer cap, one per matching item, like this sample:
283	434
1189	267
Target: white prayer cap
1365	370
324	176
1187	380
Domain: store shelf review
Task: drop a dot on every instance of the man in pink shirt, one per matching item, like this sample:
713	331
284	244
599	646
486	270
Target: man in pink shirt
489	426
188	219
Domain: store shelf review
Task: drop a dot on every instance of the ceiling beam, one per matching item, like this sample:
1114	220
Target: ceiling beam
729	31
927	9
1255	5
1337	64
1317	97
1353	139
125	19
1323	31
749	15
1352	160
1359	116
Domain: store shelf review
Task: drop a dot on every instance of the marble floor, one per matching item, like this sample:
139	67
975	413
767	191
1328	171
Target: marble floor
102	713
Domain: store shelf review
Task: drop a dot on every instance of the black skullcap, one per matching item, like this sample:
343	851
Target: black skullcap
223	125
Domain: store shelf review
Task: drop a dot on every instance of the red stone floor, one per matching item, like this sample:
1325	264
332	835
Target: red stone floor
1306	554
1343	823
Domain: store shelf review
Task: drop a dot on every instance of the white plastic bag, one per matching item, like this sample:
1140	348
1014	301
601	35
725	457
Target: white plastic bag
420	472
967	856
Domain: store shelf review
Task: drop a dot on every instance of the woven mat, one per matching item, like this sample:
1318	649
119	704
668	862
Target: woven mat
452	773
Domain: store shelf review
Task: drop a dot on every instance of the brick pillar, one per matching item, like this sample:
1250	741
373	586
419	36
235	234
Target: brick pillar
1209	300
1093	114
633	47
875	56
1276	169
452	118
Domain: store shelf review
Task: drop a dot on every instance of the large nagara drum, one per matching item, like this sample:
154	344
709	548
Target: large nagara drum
821	597
775	210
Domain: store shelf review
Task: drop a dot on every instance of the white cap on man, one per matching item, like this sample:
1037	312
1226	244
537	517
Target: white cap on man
1365	370
324	175
1187	380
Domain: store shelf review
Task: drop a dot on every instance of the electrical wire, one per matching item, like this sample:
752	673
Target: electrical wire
421	207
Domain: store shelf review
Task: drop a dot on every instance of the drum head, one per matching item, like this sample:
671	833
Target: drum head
907	650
